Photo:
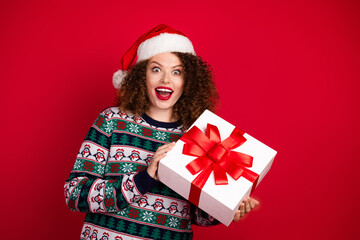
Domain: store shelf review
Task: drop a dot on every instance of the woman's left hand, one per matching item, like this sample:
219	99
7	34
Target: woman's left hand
159	154
245	207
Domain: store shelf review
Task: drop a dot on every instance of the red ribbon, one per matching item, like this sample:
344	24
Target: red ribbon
216	155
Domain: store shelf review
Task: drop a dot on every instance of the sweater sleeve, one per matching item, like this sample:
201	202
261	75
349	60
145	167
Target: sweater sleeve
87	189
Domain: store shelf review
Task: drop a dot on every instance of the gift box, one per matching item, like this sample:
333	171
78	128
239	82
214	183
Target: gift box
215	166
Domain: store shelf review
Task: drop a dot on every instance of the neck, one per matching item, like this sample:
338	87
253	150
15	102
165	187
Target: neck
161	115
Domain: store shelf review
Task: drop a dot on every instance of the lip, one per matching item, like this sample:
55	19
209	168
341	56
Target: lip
162	97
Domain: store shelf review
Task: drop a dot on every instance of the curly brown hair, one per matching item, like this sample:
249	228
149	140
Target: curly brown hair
199	90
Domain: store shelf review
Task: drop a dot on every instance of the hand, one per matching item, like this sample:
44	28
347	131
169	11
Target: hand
159	154
245	207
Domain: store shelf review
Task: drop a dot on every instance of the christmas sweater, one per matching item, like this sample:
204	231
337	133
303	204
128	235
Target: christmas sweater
109	181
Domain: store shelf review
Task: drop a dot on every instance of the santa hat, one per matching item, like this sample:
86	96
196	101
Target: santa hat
161	39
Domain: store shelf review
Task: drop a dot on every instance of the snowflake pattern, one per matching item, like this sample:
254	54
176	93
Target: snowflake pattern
100	168
122	212
109	202
108	189
107	168
88	166
161	219
161	136
134	213
109	126
76	192
148	216
173	222
100	121
77	164
126	167
134	128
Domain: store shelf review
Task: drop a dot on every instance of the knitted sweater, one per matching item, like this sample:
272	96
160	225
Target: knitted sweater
109	181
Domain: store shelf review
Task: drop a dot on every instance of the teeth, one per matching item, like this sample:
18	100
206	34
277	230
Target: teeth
164	90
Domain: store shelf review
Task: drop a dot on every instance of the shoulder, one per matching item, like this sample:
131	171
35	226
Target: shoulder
116	113
112	118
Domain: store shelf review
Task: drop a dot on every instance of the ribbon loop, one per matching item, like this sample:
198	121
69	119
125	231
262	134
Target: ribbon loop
241	158
213	133
235	139
215	155
201	139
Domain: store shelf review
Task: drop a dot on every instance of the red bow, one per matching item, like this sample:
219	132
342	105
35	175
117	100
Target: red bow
215	155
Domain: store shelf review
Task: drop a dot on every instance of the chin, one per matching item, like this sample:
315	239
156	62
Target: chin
165	107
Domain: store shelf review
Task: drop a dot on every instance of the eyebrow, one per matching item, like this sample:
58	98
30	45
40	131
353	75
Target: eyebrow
180	65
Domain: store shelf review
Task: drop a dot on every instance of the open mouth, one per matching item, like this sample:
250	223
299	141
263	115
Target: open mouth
163	93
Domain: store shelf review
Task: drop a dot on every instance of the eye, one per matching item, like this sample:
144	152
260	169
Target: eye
177	72
156	69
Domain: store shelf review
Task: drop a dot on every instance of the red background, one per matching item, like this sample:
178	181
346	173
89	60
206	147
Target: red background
287	73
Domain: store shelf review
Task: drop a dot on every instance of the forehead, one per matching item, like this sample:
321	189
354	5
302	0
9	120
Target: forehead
165	59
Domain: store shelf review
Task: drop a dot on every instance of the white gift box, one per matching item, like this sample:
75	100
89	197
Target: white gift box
220	201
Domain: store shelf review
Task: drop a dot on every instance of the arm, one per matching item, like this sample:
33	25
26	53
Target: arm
87	190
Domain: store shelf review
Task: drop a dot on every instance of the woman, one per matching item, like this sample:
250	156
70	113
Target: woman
114	178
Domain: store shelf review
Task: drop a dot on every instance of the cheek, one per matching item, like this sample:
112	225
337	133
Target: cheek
148	84
151	79
148	91
147	80
181	86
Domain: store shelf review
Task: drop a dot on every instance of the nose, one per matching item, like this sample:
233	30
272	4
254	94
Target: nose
165	77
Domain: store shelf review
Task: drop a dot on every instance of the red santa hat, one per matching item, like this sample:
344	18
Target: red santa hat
161	39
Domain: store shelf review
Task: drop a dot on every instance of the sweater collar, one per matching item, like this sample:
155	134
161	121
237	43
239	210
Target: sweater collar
156	123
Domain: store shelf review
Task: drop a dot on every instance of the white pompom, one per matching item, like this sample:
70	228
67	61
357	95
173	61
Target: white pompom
118	77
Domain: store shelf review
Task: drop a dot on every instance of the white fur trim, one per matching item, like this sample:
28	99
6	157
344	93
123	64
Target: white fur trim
118	77
163	43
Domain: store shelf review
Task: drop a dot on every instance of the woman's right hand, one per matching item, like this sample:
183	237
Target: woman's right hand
245	207
159	154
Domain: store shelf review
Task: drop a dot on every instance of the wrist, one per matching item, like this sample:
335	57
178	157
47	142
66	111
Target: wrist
151	173
144	182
